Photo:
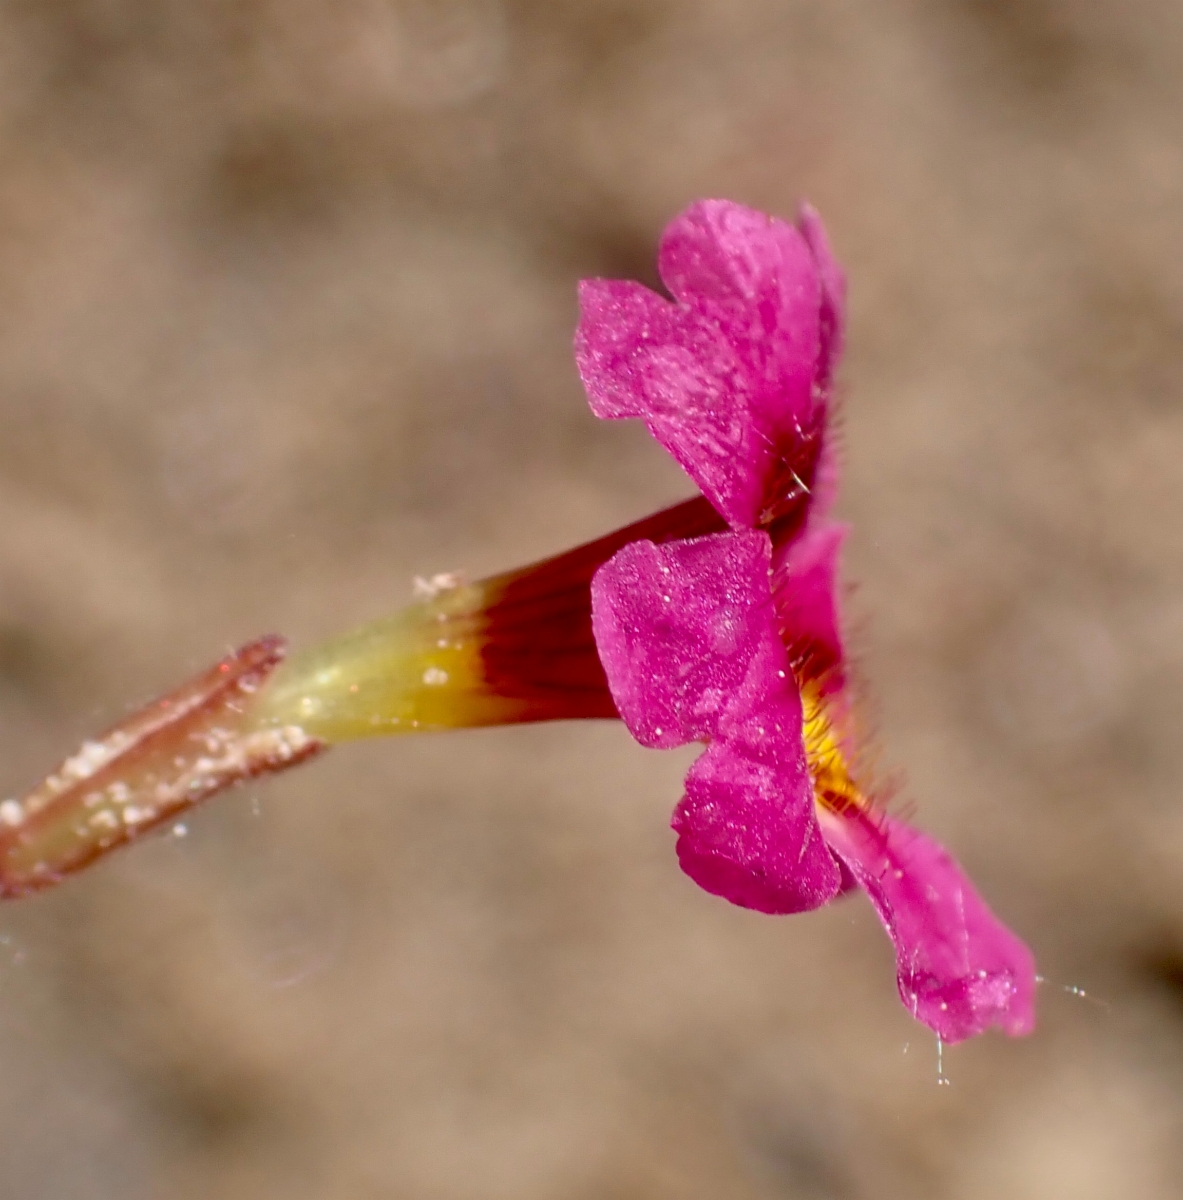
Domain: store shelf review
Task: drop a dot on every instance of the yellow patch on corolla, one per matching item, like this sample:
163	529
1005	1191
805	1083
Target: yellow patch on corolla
833	786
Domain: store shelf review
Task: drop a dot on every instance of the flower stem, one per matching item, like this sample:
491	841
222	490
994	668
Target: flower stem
163	759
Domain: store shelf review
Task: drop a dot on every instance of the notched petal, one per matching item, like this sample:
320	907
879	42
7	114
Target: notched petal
733	379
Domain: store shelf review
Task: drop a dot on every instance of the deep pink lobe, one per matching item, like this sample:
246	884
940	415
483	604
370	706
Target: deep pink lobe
959	969
805	594
726	376
687	636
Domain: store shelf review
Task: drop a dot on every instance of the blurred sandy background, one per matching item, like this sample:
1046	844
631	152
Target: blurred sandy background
287	291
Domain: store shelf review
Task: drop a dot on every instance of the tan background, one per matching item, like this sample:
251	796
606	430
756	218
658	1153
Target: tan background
286	301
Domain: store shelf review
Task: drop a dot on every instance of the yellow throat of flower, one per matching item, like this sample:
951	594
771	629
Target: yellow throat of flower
834	788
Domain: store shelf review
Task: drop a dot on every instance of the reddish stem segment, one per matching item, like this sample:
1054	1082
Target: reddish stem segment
165	758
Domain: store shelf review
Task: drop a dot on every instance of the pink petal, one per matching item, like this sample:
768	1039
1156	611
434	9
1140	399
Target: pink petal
620	324
753	275
686	635
805	594
682	376
725	379
747	828
959	969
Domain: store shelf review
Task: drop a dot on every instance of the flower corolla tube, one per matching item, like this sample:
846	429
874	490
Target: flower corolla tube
715	621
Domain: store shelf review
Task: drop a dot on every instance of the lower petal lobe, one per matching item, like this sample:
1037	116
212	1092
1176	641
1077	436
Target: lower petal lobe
959	969
747	827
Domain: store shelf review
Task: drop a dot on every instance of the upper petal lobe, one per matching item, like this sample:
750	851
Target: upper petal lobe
727	377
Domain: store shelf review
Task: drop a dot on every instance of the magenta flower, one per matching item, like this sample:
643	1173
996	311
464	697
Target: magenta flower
733	639
715	621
